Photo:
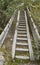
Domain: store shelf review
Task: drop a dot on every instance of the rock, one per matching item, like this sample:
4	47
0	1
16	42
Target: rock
2	60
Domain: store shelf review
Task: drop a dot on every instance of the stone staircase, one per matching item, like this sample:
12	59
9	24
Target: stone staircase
22	48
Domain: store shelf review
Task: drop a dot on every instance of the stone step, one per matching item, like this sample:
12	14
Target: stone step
22	12
23	44
21	20
22	17
22	23
23	39
22	35
22	32
21	29
21	49
22	57
22	26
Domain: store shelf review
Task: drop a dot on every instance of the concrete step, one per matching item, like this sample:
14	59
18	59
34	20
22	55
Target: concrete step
23	39
21	20
23	44
21	29
22	14
21	49
22	23
22	32
22	35
22	26
22	17
22	57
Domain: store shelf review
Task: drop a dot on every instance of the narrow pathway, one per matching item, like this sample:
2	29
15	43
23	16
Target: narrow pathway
22	41
19	47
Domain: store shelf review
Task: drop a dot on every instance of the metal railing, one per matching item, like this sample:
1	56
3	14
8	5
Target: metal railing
6	29
34	29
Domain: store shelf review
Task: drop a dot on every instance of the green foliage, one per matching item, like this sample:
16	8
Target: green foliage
35	10
7	8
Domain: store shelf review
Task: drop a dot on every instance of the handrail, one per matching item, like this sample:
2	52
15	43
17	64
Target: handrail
35	33
35	27
29	40
15	36
6	29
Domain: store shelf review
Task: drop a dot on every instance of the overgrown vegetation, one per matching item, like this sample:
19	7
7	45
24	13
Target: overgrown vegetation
7	8
35	12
